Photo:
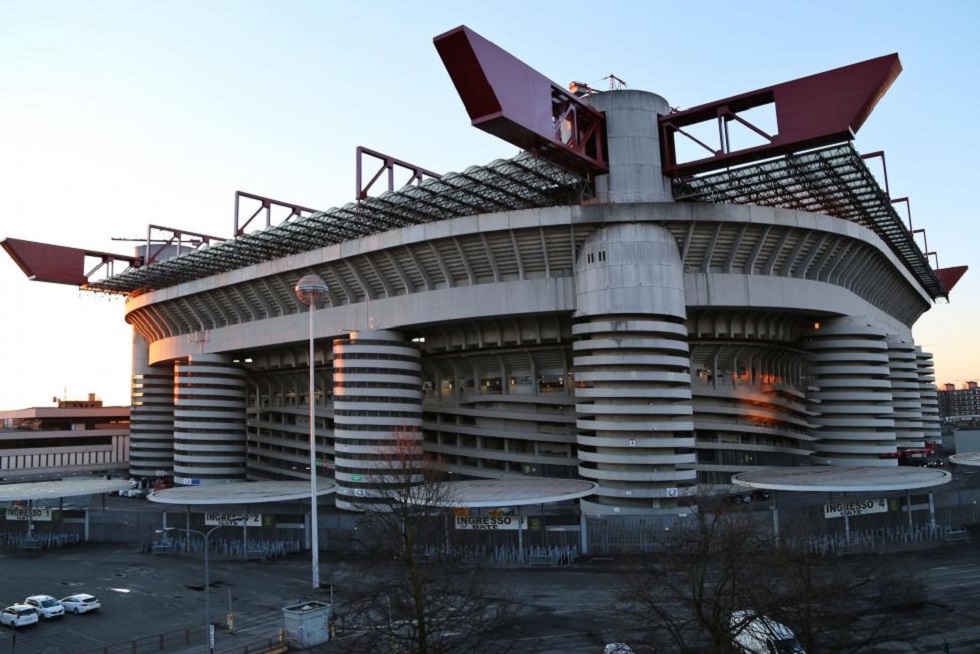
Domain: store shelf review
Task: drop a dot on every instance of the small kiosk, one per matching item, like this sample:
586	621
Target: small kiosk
307	624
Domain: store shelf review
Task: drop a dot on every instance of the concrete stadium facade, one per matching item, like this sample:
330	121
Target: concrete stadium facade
652	346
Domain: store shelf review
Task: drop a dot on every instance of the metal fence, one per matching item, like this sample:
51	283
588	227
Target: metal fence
183	638
608	535
36	540
155	643
231	548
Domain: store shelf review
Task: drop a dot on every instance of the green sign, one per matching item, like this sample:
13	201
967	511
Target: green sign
355	478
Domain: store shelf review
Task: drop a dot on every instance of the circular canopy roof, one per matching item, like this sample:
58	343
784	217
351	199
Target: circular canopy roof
245	492
510	492
966	459
48	490
843	478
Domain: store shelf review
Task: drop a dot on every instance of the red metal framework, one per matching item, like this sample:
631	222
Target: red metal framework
58	264
265	204
823	109
509	99
388	164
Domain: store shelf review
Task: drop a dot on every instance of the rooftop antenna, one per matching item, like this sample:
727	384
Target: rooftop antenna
615	84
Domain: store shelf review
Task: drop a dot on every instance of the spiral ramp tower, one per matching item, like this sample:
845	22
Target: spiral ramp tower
209	420
848	360
151	428
377	418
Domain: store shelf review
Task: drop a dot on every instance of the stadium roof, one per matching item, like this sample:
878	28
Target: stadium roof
833	181
523	182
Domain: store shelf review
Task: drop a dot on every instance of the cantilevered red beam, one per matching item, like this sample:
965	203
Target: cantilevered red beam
509	99
58	264
813	111
949	276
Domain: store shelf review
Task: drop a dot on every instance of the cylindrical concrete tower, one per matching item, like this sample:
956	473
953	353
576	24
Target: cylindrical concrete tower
377	417
633	147
906	394
848	359
632	372
928	396
151	419
209	420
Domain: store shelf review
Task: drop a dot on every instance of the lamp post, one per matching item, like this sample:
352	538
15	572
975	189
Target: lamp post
207	576
309	289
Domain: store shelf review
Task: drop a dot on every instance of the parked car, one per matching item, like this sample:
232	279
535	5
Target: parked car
756	634
18	615
81	603
742	498
47	606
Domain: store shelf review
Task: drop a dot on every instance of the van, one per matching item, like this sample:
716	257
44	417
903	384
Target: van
756	634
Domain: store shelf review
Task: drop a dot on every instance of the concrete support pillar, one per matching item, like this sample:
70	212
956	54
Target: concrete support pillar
633	140
848	363
632	372
906	394
928	397
151	418
377	416
209	420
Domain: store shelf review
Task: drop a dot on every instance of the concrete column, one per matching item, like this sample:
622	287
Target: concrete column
151	418
633	139
633	412
906	395
928	396
377	416
209	420
848	362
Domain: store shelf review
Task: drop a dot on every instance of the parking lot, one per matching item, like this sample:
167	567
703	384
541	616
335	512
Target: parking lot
144	595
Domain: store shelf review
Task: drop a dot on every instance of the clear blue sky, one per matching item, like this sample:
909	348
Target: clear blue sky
114	115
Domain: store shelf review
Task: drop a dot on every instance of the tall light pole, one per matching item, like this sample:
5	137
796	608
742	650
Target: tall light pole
207	576
309	289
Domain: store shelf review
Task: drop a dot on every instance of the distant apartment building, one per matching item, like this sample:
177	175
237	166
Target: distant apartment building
959	404
76	437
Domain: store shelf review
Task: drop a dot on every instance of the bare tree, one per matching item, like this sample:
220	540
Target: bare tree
683	598
727	561
421	599
841	603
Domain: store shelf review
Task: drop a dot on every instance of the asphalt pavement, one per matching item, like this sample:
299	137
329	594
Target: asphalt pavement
145	595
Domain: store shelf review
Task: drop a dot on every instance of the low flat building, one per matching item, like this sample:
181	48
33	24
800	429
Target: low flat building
76	437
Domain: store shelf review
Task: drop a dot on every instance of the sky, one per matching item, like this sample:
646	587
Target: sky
116	115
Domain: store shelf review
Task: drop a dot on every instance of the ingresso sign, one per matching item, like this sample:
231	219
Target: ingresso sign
490	522
225	519
854	507
21	513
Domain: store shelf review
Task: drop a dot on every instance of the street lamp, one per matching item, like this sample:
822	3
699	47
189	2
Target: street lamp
309	289
207	576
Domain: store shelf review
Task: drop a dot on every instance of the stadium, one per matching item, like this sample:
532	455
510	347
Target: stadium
605	306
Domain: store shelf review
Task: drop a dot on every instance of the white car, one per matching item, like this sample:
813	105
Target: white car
47	606
18	615
81	603
756	634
